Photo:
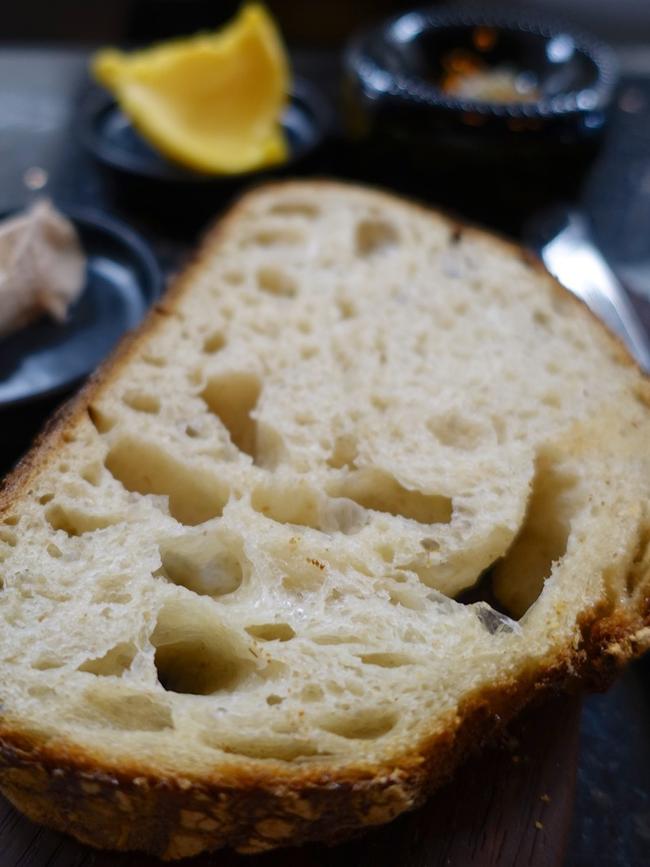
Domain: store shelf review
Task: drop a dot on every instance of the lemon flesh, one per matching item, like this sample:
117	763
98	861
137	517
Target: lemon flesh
211	102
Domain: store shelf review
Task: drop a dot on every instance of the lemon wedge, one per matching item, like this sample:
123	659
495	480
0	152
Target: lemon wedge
212	102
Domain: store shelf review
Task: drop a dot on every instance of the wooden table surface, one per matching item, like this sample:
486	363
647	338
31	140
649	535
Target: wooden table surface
509	807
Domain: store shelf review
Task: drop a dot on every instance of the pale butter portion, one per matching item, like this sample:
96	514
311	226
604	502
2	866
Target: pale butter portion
42	266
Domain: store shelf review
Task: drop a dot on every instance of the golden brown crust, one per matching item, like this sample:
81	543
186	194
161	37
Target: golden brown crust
269	804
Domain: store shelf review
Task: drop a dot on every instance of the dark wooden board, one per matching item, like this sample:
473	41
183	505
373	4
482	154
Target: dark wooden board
509	807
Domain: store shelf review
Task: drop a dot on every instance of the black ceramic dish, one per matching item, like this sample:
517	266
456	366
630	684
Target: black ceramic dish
122	280
395	86
111	138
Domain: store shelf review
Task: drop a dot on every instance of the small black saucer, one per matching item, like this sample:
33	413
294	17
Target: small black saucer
109	135
123	279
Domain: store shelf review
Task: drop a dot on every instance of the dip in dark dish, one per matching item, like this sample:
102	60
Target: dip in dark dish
471	86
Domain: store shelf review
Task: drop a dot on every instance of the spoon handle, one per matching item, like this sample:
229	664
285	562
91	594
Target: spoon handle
572	257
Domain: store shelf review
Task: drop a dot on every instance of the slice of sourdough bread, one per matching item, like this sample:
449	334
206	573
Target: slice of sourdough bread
236	604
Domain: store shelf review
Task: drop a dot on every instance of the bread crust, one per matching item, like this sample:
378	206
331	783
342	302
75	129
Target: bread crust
259	806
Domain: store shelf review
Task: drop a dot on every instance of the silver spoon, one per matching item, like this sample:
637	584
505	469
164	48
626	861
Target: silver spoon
564	242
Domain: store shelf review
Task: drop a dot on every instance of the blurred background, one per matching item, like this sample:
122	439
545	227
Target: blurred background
322	23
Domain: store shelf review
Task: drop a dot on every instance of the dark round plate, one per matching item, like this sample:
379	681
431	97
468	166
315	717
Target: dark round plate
110	136
122	280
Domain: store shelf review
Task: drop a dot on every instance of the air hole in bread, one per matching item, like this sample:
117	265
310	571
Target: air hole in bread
270	446
232	397
47	662
11	520
140	401
380	492
214	343
57	518
386	660
386	552
113	663
640	566
194	496
379	402
456	431
154	360
53	550
273	700
196	376
490	612
275	281
361	725
399	577
304	506
641	391
541	318
92	473
374	236
74	521
307	579
380	349
100	419
196	653
265	746
309	351
500	429
45	499
312	692
295	209
41	691
327	640
208	563
346	307
552	399
304	418
344	452
110	589
404	596
8	537
234	278
274	237
271	631
518	577
116	706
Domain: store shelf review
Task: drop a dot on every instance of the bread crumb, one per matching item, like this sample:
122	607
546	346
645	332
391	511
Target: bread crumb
546	798
539	825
